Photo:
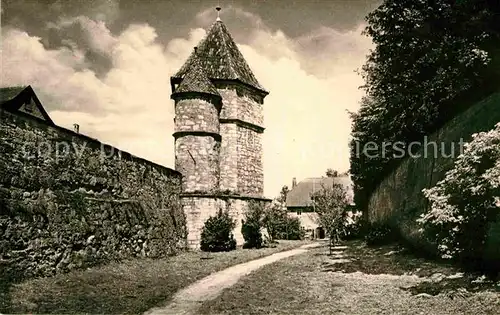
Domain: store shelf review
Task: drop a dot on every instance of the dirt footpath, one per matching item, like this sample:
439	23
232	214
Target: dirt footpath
188	300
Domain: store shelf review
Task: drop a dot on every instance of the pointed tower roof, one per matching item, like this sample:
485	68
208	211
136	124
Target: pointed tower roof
220	58
196	80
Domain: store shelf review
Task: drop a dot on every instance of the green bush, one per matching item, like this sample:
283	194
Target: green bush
292	230
252	225
380	234
251	233
217	234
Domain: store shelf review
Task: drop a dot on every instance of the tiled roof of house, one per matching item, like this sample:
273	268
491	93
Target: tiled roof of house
220	58
196	80
300	195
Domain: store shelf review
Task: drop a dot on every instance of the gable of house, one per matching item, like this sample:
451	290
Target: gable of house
23	100
300	195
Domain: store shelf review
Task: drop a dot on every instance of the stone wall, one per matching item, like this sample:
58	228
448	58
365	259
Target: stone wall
197	158
399	200
241	107
250	168
241	149
196	114
197	143
228	159
68	201
199	208
233	169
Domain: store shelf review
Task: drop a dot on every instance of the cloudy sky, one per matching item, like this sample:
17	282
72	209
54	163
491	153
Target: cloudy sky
106	65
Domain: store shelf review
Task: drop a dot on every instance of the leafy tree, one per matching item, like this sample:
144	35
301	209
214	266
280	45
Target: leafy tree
283	193
252	224
278	223
428	57
217	233
466	201
332	173
330	203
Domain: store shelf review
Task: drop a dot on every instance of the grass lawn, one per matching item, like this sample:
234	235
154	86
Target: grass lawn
128	287
385	280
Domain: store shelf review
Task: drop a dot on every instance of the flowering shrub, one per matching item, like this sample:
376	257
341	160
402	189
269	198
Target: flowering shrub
467	200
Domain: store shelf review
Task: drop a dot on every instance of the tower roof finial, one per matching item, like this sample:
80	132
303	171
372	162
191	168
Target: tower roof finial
218	8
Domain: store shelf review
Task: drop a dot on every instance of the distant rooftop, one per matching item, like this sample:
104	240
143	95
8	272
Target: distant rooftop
300	195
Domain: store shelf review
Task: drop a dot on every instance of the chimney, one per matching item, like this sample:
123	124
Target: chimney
294	182
76	128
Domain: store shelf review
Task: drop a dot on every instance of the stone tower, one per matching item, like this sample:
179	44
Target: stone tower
218	131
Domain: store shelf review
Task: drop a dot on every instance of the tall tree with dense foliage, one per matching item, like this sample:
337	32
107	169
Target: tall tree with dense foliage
428	57
332	173
465	203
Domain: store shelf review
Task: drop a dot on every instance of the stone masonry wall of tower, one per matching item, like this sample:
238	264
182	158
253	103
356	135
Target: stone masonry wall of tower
197	155
241	155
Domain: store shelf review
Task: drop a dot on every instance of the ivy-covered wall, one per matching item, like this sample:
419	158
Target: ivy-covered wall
399	200
67	201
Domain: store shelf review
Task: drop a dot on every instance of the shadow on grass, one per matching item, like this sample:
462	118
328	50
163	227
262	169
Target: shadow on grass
452	285
395	259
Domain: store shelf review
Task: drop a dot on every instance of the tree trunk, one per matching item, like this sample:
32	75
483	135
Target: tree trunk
331	242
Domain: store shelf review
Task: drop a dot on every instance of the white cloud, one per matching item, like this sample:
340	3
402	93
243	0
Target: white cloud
311	86
129	107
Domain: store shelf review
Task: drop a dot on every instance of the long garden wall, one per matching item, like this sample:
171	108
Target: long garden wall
399	200
68	201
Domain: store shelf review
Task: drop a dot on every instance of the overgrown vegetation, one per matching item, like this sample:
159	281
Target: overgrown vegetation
431	60
465	205
217	233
